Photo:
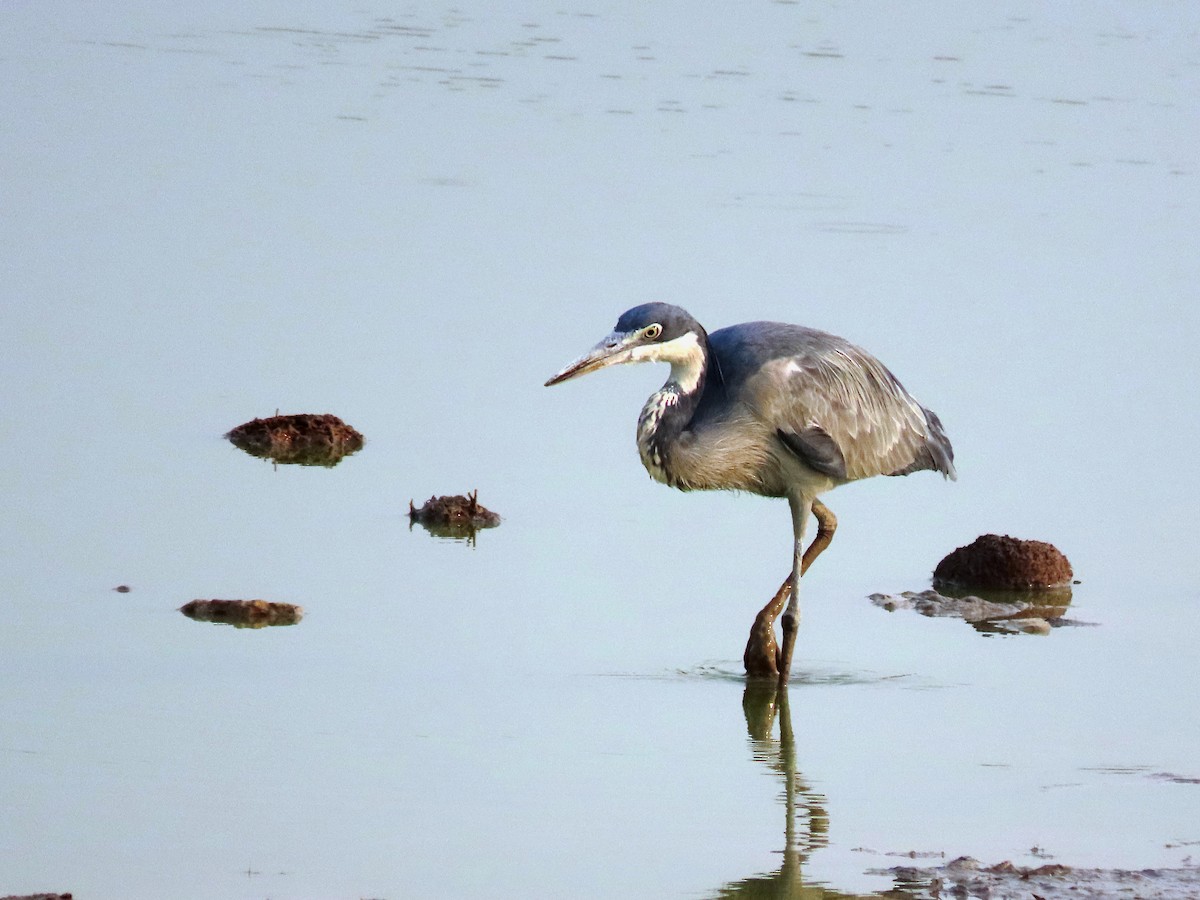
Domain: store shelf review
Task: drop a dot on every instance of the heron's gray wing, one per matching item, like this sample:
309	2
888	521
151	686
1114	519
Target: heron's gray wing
827	395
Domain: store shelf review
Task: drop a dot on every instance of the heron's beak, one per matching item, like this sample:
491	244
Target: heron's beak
615	349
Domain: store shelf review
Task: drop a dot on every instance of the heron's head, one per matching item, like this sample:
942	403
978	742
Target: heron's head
652	332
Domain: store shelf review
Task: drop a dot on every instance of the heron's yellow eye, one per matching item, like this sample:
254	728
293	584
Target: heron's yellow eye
653	331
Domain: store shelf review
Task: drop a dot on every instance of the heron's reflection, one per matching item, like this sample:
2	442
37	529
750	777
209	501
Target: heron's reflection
806	821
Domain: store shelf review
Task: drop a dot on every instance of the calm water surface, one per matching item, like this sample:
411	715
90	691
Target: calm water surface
410	216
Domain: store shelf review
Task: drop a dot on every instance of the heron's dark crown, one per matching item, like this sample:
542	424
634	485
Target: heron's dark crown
675	321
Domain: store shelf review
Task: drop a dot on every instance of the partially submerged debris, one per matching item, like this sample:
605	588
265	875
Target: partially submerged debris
933	604
1001	562
1003	612
243	613
967	877
453	517
303	439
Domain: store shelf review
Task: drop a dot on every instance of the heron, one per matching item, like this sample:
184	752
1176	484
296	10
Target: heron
772	409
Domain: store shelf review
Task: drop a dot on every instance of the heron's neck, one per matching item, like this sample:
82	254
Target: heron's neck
669	410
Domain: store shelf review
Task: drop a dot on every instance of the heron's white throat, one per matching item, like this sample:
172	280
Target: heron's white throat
684	353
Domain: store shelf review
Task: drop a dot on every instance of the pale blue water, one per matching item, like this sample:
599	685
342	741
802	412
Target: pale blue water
410	217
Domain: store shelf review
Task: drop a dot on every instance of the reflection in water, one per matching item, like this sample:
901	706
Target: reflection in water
463	533
806	823
1049	603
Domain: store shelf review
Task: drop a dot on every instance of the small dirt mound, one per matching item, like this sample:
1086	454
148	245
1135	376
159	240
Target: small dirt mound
456	510
303	439
1000	562
453	517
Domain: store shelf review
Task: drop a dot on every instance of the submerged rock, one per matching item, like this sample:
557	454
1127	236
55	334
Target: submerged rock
303	439
967	877
453	517
999	612
1001	562
243	613
931	603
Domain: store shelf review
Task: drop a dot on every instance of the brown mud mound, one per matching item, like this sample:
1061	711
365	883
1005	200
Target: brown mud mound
1004	563
453	517
243	613
967	877
303	439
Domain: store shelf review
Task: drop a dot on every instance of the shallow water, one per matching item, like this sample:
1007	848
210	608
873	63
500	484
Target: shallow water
410	217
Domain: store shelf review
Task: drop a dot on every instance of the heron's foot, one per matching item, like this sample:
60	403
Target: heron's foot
762	653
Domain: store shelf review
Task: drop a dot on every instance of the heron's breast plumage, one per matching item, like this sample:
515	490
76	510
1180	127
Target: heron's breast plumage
653	450
699	453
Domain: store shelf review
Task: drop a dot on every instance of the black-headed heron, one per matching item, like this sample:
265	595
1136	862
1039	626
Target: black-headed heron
773	409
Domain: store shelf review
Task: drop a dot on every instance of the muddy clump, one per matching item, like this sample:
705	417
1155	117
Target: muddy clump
1000	562
243	613
453	517
303	439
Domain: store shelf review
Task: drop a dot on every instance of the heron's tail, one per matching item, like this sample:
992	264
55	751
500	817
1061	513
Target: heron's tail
936	454
940	451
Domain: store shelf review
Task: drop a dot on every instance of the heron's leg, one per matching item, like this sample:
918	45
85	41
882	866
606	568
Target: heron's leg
826	526
762	656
